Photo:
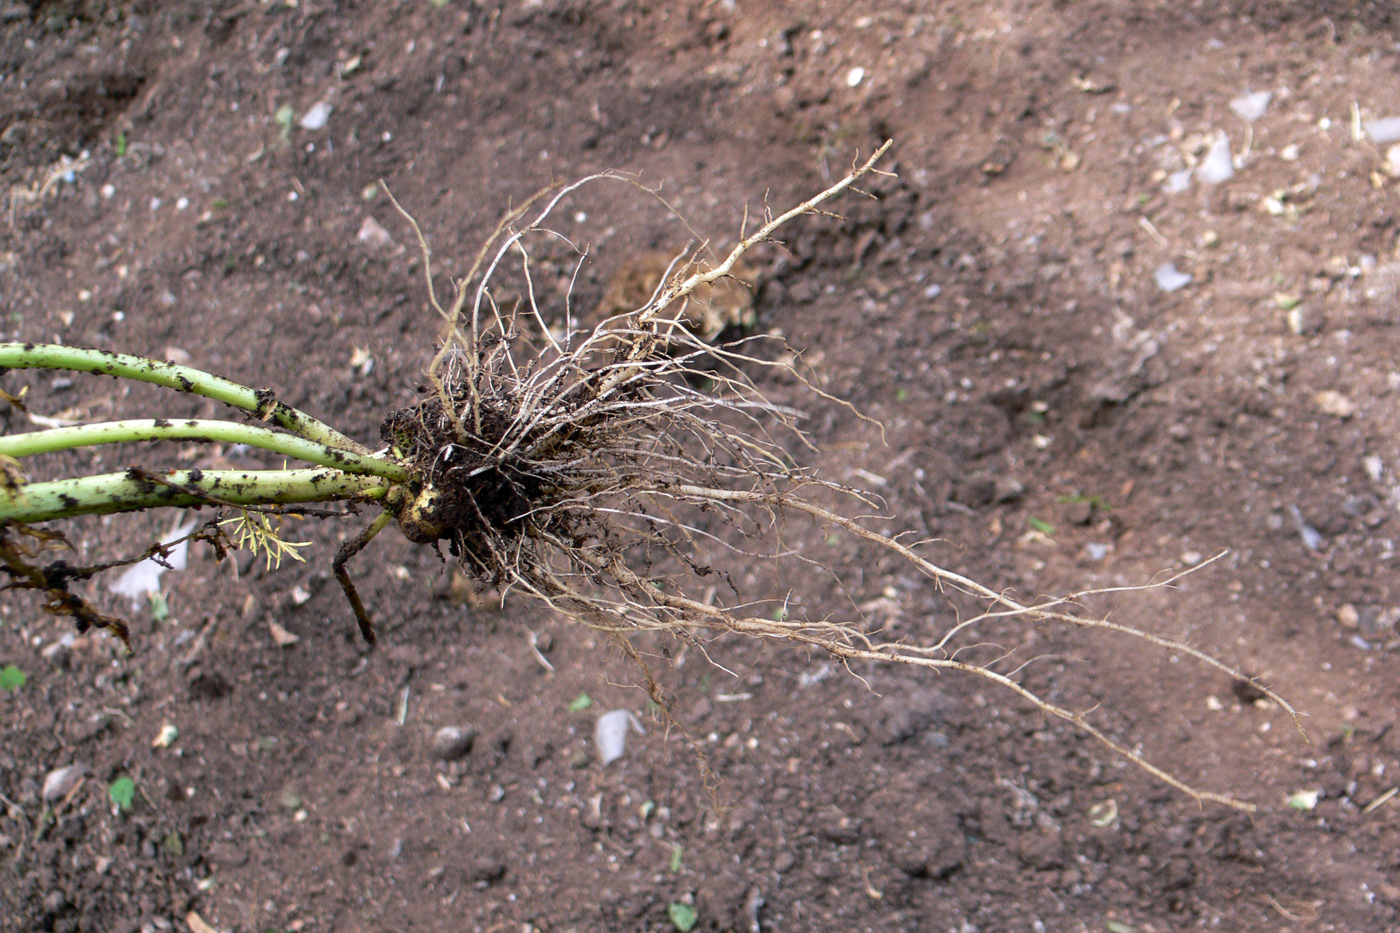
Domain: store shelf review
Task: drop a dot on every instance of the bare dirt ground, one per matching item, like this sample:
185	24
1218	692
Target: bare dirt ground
1055	417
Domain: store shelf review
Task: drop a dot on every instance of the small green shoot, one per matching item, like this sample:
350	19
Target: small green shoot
780	614
677	859
580	703
1117	926
683	917
121	145
160	608
1041	525
283	118
123	792
219	204
901	394
11	678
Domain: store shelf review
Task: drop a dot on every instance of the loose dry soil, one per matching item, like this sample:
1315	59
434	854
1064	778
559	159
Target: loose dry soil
1054	418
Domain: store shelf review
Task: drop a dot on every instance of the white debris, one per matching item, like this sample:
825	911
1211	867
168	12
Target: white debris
1177	182
317	117
280	636
1253	105
854	77
1169	279
1218	165
1332	402
1392	161
143	578
1384	130
61	780
610	735
1312	538
1304	799
373	234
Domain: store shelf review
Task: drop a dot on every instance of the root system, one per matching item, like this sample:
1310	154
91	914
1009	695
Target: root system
614	472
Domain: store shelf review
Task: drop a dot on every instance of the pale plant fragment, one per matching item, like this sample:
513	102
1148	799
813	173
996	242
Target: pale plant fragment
255	532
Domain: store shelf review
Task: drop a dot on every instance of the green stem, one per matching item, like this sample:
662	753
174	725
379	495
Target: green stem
112	432
182	378
134	490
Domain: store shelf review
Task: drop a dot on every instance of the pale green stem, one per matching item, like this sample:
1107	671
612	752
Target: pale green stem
134	490
182	378
230	432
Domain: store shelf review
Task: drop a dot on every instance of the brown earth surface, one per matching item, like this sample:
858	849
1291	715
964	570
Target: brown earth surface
1054	418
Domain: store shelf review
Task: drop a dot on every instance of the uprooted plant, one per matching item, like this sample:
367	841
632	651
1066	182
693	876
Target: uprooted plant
604	470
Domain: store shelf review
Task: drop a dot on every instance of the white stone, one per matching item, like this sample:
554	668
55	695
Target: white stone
317	117
1169	279
610	735
1253	105
1218	165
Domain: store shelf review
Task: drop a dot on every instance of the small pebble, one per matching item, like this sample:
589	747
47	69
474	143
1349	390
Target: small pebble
1384	130
1392	161
317	117
1218	165
1305	320
1331	402
610	735
281	637
373	234
1252	106
58	782
451	743
854	77
1008	489
1177	182
1170	279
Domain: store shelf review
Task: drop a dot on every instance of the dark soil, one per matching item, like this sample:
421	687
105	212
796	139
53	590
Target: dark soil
1054	418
